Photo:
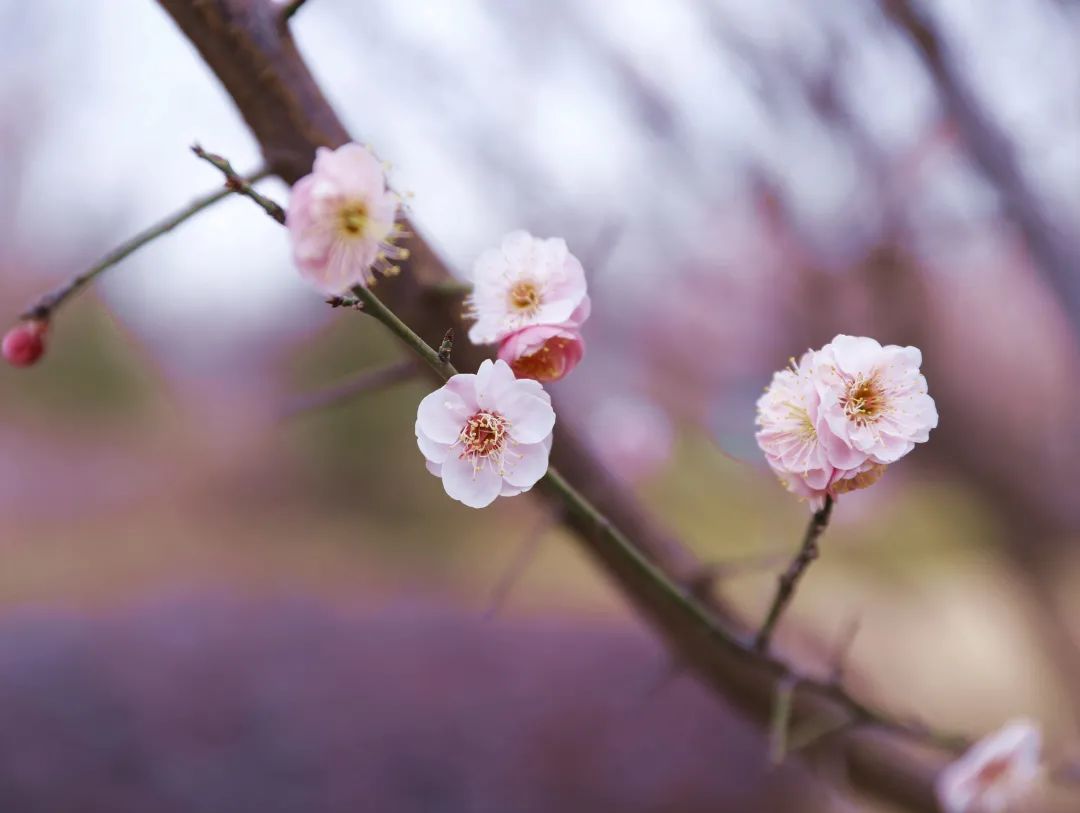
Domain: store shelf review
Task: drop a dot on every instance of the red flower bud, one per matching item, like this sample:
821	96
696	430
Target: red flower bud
24	344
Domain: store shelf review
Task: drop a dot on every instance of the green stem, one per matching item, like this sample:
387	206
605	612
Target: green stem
50	302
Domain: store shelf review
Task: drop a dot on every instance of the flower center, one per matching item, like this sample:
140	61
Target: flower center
525	297
546	364
864	402
484	435
354	218
993	771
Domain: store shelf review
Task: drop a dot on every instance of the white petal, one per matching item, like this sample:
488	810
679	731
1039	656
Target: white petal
531	417
493	379
524	464
855	354
443	413
432	450
476	488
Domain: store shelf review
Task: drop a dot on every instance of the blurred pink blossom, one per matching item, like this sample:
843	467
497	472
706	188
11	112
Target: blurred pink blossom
632	436
486	435
526	281
341	220
995	773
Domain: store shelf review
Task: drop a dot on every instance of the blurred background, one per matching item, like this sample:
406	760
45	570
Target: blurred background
208	606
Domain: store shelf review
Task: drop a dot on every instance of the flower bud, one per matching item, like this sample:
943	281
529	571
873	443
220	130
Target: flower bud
542	352
24	344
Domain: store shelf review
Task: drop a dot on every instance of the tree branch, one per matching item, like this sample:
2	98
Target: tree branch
48	304
789	579
363	382
260	67
992	152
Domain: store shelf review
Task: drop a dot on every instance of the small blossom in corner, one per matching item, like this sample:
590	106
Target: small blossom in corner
486	435
24	344
527	281
998	772
342	221
832	422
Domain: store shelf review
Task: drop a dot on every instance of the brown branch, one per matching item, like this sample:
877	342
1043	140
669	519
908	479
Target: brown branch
48	304
364	382
1056	256
235	183
789	579
261	69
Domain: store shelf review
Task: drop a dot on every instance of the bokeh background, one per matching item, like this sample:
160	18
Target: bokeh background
209	604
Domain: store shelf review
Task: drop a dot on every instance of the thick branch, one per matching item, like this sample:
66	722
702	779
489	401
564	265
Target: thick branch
1056	256
258	63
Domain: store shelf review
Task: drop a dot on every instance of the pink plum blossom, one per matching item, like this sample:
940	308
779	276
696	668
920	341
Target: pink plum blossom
342	220
787	417
873	398
542	352
486	435
995	774
526	281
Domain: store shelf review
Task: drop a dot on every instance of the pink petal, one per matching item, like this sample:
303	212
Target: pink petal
433	451
476	488
493	379
531	417
442	414
524	464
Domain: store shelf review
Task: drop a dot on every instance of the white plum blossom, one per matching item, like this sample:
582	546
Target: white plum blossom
831	422
486	435
526	281
997	772
342	220
874	398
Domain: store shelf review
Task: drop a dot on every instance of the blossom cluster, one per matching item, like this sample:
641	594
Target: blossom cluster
838	416
530	298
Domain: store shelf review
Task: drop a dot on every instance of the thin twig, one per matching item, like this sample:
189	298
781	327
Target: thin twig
843	650
48	304
789	579
781	721
523	557
236	183
364	382
289	9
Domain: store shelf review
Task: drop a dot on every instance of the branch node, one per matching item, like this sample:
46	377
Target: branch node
447	346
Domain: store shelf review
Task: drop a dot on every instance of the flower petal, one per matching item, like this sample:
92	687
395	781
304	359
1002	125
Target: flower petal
524	464
442	414
433	451
475	487
531	417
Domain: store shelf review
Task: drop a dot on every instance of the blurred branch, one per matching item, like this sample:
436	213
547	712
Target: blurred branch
48	304
524	555
993	153
789	579
261	69
363	382
290	8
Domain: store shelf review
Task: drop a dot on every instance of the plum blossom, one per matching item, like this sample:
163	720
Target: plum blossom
486	435
342	220
873	398
542	352
995	774
527	281
832	422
